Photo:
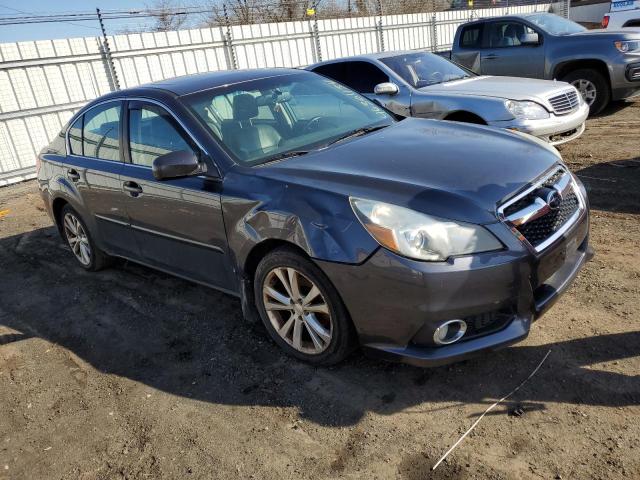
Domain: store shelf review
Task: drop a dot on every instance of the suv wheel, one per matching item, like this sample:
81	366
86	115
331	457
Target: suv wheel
79	239
592	86
301	309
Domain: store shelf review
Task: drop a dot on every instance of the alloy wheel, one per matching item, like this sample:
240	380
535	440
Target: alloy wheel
297	310
587	89
77	238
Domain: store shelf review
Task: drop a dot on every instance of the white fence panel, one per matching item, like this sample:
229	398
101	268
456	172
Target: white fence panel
43	83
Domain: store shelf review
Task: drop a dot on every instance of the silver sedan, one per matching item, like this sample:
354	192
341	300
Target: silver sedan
421	84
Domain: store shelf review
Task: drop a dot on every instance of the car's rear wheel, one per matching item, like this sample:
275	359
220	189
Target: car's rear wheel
592	86
301	309
80	241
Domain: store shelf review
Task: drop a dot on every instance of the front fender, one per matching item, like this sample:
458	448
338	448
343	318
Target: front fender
437	105
319	222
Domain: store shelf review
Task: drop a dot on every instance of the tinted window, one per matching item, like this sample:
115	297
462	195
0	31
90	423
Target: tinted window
507	34
471	37
153	132
101	132
75	136
337	71
361	76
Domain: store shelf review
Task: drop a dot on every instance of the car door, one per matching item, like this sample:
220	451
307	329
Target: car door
177	223
505	52
93	168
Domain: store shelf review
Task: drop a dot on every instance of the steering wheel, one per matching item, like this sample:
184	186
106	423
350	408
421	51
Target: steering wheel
312	124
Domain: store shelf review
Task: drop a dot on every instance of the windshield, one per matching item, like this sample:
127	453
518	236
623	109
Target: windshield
424	69
266	119
554	24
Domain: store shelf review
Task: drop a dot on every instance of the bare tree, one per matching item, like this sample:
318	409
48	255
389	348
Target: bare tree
167	15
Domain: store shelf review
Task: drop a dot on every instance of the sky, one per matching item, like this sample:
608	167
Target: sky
41	31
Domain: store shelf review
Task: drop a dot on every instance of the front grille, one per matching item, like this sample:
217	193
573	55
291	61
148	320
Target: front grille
537	231
633	72
538	221
566	102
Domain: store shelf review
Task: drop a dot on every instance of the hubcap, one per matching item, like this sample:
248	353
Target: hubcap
587	89
297	310
77	238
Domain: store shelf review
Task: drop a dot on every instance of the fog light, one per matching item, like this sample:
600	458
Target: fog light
450	332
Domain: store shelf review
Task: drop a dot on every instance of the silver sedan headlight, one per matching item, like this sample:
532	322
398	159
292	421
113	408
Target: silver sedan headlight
420	236
526	110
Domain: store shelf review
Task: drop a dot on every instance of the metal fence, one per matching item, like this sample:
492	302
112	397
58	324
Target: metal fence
42	83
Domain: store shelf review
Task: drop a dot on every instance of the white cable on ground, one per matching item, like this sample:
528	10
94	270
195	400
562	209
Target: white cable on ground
488	410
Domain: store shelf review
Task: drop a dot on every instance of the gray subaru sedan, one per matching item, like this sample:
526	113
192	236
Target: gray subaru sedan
333	221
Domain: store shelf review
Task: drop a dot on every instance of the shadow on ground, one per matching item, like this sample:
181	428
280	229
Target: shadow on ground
613	186
192	341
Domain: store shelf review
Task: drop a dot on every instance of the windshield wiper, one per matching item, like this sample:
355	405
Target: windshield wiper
356	133
283	155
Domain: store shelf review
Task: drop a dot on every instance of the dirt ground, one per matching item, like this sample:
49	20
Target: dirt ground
130	373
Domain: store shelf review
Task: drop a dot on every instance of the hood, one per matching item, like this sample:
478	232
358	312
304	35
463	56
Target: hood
447	169
512	88
606	34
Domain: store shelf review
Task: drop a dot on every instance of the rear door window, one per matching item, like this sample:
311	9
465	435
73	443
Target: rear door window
360	76
101	132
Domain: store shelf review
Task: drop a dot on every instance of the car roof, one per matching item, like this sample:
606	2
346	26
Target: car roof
370	56
187	84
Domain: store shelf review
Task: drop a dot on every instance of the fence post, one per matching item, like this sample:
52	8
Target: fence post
434	29
567	4
316	32
229	49
379	27
107	58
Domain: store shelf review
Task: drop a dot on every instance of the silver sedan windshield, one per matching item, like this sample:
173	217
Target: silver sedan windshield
423	69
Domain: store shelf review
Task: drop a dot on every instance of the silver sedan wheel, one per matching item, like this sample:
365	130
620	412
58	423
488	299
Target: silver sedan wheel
587	89
77	238
297	310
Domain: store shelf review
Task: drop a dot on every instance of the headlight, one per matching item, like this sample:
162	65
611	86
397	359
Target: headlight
526	110
419	236
627	46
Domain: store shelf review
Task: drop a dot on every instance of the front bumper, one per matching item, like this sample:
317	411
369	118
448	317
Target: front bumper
556	129
625	81
393	300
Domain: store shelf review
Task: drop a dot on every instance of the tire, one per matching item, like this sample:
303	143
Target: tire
582	78
333	331
84	249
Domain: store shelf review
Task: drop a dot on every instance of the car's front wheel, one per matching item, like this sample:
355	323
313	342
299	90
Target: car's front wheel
301	309
593	87
79	239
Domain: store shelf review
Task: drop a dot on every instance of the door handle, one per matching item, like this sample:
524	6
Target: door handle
132	188
73	175
490	57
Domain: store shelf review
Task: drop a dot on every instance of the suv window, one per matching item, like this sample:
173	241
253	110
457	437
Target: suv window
507	34
471	37
360	76
152	133
101	132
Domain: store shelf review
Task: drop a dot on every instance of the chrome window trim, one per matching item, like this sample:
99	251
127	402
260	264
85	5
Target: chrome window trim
567	225
139	99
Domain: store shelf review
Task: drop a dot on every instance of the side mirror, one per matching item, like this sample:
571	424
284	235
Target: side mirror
386	88
176	164
530	39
